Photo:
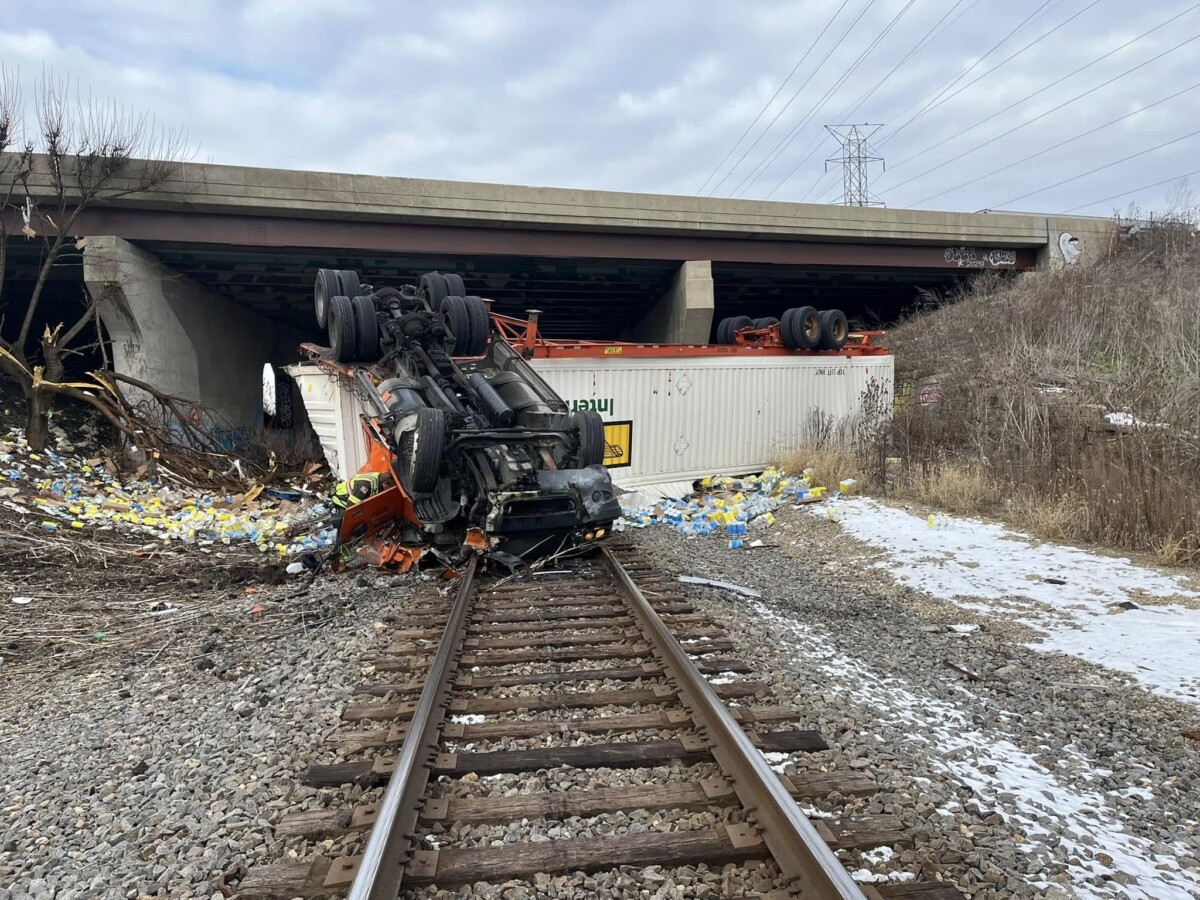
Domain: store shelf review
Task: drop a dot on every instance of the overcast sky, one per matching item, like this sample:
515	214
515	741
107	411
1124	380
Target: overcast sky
652	95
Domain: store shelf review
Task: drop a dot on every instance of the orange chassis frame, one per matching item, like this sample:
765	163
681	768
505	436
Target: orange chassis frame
369	524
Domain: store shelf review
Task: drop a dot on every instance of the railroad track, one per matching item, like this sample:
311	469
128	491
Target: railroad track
611	661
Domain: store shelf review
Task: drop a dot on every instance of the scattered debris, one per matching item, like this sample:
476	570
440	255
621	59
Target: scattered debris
70	492
724	585
727	505
967	673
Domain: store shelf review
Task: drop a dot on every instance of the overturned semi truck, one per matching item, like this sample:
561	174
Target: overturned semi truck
478	453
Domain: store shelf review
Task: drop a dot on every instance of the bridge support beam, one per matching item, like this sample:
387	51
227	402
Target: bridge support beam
184	340
684	314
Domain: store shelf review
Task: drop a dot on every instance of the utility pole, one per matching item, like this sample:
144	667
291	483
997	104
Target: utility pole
857	154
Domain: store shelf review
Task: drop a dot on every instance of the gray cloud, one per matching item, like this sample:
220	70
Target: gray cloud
637	96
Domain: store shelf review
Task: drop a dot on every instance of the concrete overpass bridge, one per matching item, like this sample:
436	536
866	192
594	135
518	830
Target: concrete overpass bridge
217	265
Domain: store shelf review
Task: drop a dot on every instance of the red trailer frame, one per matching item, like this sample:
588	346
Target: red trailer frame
523	335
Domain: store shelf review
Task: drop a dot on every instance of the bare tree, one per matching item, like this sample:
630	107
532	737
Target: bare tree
1181	203
78	153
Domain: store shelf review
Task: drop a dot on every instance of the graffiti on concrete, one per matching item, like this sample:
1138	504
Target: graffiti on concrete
979	258
1068	246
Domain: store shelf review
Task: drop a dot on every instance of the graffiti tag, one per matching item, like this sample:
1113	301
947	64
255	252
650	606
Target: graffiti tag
977	258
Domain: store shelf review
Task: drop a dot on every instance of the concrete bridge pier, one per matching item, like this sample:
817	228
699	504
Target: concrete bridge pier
684	314
170	332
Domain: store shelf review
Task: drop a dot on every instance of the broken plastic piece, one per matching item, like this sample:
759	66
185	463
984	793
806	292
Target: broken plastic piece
724	585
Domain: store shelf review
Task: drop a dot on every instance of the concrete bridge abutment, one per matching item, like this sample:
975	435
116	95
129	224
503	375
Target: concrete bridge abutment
684	314
170	332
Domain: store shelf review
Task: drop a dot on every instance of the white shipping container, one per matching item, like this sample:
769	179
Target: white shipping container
669	419
712	415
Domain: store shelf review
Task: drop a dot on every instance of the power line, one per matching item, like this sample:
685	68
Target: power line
938	92
770	158
1043	115
1059	144
1144	187
1098	169
778	90
1057	81
792	99
816	144
1002	62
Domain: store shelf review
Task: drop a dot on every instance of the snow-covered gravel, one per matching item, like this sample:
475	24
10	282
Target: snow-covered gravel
1035	775
1100	608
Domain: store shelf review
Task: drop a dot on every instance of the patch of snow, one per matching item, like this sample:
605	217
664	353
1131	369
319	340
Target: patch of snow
812	812
467	719
726	678
777	761
1128	420
879	856
1003	776
1066	593
964	629
866	876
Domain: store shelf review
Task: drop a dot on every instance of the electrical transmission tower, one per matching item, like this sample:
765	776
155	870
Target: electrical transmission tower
857	154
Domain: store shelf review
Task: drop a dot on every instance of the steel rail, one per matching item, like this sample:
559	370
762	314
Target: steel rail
381	870
798	849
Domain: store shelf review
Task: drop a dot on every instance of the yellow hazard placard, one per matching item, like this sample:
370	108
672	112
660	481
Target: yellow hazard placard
618	444
613	351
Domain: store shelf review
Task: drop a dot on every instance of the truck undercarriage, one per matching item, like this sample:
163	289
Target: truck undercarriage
482	454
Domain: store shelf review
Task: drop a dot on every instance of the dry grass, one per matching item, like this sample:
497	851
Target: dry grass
957	487
1027	370
830	465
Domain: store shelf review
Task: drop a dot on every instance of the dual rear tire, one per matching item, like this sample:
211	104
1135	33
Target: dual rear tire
348	315
802	328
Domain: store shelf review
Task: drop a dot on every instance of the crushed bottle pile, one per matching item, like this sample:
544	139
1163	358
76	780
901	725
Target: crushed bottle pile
733	507
69	492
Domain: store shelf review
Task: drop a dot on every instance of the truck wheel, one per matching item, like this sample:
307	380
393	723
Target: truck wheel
455	311
589	431
366	327
801	328
433	286
326	286
479	326
454	285
351	286
736	324
420	449
834	329
722	327
765	322
343	337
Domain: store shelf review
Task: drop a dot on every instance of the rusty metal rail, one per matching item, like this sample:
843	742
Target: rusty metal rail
381	870
797	847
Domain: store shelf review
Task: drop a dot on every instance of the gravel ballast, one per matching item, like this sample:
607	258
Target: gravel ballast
156	778
1023	774
1032	774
